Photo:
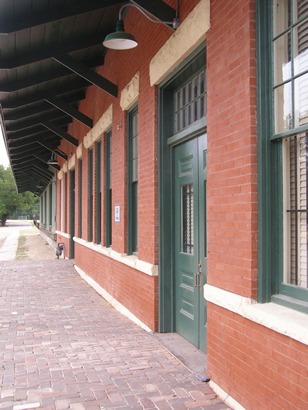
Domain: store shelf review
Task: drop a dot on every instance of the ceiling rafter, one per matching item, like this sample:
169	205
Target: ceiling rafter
55	151
88	74
69	138
71	111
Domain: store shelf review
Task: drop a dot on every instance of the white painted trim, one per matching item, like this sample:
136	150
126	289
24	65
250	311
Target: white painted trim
230	401
99	128
190	34
79	151
71	162
110	299
130	94
64	234
128	260
278	318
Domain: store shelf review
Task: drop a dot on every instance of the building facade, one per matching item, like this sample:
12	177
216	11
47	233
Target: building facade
185	205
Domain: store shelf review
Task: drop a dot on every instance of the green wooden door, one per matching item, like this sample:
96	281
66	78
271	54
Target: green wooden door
189	167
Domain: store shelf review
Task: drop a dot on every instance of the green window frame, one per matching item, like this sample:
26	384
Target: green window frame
80	198
132	243
98	194
90	195
108	189
65	192
283	151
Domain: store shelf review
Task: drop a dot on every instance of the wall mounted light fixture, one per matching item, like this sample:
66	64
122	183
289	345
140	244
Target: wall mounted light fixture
120	40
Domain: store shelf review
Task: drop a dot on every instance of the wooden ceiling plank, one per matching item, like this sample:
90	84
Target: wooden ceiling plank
56	14
40	107
43	54
47	76
30	122
69	87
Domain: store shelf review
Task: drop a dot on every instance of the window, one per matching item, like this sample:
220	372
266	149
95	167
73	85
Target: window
283	149
98	196
133	182
63	204
90	195
108	185
190	102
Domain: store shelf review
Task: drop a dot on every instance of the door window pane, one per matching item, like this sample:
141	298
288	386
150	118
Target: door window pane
187	219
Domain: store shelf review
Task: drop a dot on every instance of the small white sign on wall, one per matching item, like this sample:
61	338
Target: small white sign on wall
117	213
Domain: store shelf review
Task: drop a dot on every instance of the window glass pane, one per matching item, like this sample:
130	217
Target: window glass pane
133	183
110	160
300	10
282	60
282	13
283	108
108	192
301	48
301	100
296	215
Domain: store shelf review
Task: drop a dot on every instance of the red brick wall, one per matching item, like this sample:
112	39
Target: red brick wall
135	290
260	368
232	150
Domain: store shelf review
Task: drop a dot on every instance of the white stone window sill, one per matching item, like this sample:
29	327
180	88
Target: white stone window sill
278	318
129	260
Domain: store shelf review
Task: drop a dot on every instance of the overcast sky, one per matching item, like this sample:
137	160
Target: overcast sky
3	155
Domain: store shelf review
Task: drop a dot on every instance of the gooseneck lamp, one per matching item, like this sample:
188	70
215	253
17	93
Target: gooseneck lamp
120	40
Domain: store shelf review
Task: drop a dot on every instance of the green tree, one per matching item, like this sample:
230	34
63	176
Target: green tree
10	200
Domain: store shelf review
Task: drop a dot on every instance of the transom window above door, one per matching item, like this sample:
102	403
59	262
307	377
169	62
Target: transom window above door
190	102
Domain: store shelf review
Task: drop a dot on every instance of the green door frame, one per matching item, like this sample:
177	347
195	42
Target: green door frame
166	142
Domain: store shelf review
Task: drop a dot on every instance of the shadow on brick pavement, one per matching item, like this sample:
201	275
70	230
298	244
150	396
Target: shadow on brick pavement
62	346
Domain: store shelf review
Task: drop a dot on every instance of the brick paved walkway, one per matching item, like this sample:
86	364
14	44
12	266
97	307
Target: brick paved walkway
64	347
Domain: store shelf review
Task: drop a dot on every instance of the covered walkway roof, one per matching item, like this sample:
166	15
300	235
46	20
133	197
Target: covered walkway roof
50	50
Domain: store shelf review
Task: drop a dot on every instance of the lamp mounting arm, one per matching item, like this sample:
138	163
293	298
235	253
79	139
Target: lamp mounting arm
174	23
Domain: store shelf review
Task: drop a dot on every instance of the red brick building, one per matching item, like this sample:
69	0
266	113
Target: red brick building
185	203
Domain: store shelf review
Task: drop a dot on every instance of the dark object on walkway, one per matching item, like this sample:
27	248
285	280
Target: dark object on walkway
60	249
203	377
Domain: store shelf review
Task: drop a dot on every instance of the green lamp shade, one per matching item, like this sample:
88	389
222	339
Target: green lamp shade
119	40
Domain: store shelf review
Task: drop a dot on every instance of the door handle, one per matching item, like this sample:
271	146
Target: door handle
196	279
198	276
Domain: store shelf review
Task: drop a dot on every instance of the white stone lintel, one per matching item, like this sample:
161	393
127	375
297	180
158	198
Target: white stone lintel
190	34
